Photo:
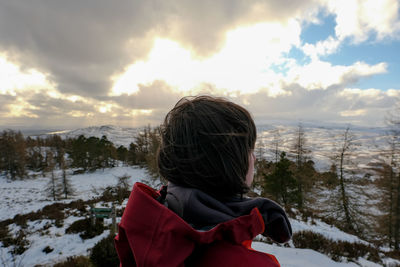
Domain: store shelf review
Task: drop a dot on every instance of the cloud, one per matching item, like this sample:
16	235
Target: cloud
14	80
128	63
358	19
321	48
83	44
348	105
322	75
242	65
157	95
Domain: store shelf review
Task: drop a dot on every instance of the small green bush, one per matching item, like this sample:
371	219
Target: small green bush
104	254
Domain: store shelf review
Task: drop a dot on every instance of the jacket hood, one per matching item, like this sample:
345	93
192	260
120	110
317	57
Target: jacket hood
158	237
203	211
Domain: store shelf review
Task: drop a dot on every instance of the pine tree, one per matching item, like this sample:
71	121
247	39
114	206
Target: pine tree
280	184
122	154
78	152
13	154
132	154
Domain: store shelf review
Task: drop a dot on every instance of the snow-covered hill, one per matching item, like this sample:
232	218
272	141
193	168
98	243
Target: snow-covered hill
22	197
320	140
324	141
117	135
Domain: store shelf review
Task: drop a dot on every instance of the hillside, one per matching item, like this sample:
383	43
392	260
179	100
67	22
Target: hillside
321	140
23	197
41	229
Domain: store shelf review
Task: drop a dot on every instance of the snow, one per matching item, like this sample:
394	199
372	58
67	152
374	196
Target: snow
25	196
117	135
320	140
295	257
21	197
328	231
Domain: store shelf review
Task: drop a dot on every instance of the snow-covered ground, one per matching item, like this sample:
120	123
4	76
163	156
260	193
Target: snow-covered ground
294	257
24	196
21	197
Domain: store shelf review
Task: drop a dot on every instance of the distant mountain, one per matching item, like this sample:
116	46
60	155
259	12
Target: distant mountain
322	140
117	135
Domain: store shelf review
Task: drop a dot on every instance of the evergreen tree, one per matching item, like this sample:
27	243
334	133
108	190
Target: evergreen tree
13	154
78	152
122	154
281	184
132	154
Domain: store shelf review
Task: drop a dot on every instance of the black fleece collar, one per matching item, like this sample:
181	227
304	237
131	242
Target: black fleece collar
203	212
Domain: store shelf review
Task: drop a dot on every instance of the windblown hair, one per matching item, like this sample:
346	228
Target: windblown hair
205	144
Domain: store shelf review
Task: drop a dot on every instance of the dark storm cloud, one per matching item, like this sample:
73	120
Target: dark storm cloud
81	44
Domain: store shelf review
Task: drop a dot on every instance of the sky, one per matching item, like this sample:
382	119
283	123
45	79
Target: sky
72	64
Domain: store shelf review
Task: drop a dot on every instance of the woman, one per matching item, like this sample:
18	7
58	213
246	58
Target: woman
201	218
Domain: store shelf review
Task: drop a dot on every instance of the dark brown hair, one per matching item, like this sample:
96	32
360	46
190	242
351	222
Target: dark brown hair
205	144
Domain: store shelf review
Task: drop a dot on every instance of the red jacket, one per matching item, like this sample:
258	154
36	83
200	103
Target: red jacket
152	235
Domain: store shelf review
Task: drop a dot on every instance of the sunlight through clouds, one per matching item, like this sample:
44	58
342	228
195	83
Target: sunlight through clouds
243	65
131	64
21	108
14	80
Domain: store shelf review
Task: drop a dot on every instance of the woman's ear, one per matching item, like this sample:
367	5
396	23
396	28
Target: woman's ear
250	172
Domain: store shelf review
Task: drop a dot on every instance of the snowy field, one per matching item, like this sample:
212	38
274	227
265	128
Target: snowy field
21	197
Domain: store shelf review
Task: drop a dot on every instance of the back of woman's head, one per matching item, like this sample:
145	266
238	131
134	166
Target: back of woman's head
205	144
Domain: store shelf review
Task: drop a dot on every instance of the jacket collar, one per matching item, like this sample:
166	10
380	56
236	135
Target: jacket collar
157	235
